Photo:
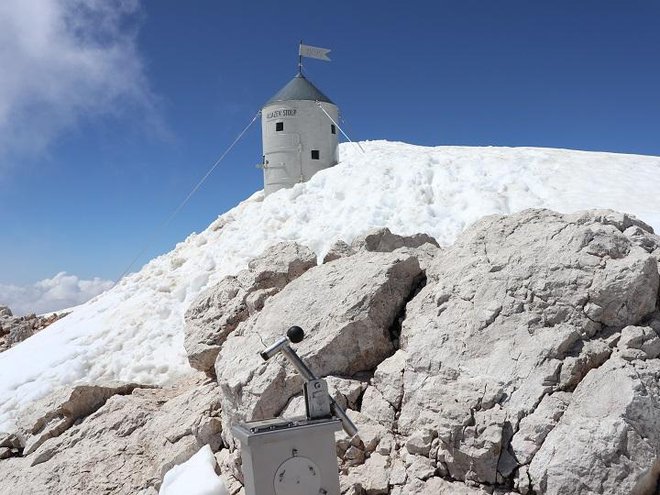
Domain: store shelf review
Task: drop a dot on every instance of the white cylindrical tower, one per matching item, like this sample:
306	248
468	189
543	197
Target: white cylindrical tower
299	139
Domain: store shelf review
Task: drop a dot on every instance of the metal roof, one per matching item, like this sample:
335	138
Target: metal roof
299	88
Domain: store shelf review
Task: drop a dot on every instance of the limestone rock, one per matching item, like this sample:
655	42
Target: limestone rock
125	446
354	450
630	295
387	444
398	475
611	427
534	428
57	412
230	466
338	250
280	264
590	355
372	477
512	312
218	310
371	435
423	246
21	330
436	486
384	241
421	468
388	378
639	343
345	391
346	309
649	481
10	440
425	253
370	432
420	442
376	407
622	221
295	407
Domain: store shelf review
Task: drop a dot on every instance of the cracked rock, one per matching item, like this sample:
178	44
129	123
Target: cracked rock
338	250
372	477
218	310
346	309
57	412
388	378
376	407
510	314
384	241
639	343
124	446
535	427
612	426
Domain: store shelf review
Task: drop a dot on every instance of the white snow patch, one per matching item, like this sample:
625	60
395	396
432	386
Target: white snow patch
134	332
196	476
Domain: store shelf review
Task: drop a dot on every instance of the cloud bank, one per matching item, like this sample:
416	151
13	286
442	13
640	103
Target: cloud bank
64	60
51	294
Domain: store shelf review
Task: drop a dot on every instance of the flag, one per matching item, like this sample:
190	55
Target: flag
314	52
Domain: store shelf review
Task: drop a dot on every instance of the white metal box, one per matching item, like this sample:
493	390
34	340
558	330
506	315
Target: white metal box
289	456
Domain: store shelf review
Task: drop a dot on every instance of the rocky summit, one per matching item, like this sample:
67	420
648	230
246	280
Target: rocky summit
523	359
15	329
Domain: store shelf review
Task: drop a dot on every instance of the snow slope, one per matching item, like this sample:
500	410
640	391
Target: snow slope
133	332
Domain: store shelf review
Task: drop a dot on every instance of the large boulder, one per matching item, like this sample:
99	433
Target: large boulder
384	241
346	308
610	428
58	411
217	311
496	347
125	446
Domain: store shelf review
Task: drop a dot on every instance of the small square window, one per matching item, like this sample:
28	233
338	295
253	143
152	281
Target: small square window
332	129
279	126
315	154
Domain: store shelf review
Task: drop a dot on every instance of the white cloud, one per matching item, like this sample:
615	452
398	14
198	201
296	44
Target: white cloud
62	60
51	294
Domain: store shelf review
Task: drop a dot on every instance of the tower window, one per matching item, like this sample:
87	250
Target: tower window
332	129
279	126
315	154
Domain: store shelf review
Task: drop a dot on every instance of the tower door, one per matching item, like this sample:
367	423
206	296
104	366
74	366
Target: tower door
283	156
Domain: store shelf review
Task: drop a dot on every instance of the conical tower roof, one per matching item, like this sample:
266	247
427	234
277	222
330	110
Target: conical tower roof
299	88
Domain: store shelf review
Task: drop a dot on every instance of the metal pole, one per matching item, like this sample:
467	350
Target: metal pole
307	374
299	364
300	58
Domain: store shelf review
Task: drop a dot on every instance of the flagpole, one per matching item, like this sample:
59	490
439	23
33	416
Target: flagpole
300	58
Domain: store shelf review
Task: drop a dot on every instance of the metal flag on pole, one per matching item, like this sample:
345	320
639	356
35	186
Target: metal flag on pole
314	52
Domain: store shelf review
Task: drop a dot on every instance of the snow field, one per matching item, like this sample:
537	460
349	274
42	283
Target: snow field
134	332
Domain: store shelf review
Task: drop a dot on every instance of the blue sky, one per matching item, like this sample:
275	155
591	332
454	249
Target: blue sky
111	111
